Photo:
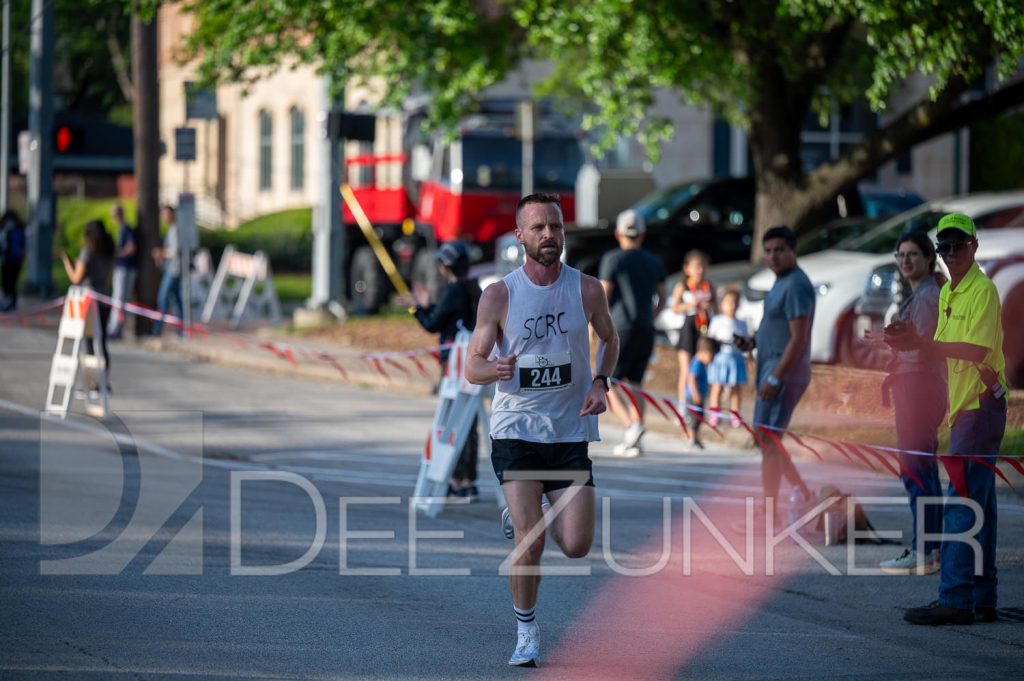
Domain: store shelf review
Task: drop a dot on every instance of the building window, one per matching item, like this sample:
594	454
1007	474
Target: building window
266	158
847	125
298	149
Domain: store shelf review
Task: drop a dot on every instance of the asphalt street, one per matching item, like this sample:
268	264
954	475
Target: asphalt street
228	523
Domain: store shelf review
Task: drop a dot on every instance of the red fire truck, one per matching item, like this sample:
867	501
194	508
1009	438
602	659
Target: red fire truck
420	190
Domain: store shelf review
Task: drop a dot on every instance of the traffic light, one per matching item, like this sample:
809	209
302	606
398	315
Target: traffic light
68	139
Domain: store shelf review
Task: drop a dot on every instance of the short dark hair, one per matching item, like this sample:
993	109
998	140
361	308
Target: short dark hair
781	232
707	343
538	197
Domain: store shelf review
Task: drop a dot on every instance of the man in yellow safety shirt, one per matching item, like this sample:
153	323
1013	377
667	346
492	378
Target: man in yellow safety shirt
969	336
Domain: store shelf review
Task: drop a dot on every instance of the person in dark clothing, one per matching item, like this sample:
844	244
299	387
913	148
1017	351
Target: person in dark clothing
455	309
12	255
93	268
634	282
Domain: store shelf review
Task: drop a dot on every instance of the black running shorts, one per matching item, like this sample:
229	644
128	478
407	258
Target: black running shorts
520	455
635	348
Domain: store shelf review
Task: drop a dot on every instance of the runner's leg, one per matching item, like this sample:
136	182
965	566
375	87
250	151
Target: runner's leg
573	527
523	498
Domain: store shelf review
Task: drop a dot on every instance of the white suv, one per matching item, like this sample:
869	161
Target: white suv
841	274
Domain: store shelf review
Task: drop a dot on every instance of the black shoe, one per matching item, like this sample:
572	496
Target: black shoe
936	614
985	615
470	491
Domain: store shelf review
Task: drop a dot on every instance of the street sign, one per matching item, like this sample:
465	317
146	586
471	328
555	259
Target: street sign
185	219
184	144
200	103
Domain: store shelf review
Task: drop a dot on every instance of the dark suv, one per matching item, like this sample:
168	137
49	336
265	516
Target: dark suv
716	216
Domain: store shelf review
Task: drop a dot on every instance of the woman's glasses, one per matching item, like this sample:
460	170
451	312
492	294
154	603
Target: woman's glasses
909	255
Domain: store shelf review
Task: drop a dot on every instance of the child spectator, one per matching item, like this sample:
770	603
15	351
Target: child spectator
697	386
729	367
693	296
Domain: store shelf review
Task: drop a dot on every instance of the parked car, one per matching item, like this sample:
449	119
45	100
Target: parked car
1000	255
881	202
840	274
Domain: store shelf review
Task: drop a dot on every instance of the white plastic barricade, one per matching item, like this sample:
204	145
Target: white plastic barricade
202	280
243	285
459	404
79	318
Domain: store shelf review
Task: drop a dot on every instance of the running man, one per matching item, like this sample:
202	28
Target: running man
546	403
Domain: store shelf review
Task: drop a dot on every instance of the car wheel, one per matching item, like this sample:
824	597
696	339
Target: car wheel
368	289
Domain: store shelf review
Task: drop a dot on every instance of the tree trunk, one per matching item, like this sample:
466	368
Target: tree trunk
146	130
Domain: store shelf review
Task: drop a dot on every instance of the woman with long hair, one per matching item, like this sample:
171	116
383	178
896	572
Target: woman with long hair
93	268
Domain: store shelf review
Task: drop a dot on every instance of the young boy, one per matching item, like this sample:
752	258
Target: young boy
697	386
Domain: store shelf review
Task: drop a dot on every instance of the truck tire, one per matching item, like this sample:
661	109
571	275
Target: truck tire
368	289
426	273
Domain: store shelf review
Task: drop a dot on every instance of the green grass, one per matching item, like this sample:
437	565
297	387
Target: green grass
293	287
1013	441
72	214
286	237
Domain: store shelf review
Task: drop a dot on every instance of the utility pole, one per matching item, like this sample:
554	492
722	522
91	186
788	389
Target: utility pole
146	131
5	108
328	240
41	209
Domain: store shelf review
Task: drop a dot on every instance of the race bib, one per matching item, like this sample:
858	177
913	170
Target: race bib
545	372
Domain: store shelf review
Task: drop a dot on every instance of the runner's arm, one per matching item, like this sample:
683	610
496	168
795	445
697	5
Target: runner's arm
595	304
490	316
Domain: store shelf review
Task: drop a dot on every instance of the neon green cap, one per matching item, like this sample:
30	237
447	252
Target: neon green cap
957	221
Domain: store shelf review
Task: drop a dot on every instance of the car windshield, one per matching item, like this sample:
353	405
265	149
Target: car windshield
828	235
662	204
497	163
882	238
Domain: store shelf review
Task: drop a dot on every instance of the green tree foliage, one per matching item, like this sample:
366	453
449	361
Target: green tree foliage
763	64
91	56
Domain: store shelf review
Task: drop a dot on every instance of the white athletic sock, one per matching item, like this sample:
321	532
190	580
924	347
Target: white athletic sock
525	619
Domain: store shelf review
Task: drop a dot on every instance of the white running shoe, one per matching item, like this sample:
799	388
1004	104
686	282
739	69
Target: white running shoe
527	650
633	434
506	524
906	564
625	452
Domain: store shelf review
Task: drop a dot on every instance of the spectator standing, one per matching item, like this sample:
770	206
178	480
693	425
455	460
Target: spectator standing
729	367
12	256
169	259
783	345
634	281
693	297
697	388
455	309
917	383
93	268
125	269
969	336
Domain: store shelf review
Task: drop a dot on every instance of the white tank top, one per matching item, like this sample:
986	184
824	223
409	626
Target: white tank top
546	329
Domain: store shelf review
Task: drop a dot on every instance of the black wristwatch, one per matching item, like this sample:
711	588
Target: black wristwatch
603	379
